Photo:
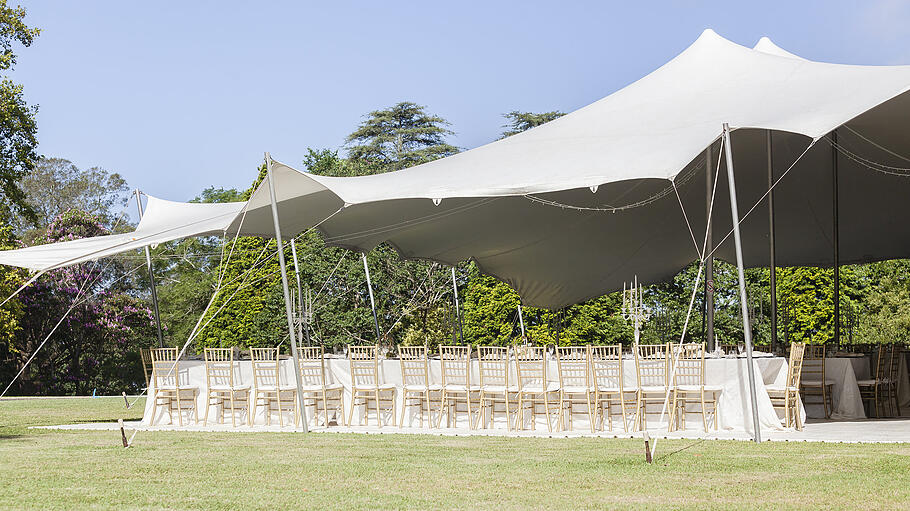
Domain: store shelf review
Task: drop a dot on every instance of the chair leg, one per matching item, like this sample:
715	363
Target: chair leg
351	413
179	409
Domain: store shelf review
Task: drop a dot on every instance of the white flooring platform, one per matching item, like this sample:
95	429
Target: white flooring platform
858	431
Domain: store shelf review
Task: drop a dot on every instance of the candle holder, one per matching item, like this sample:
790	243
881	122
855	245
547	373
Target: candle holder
633	306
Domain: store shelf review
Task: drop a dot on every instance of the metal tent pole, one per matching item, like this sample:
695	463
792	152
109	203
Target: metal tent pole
521	323
836	207
366	269
148	263
709	262
747	328
457	308
772	245
287	294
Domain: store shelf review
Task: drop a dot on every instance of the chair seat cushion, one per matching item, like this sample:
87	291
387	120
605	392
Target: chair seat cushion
180	388
279	388
228	388
498	389
653	388
433	387
816	383
869	383
699	388
537	389
779	388
576	389
381	386
454	387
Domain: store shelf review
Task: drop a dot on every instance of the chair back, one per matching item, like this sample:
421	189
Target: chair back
146	355
882	362
414	365
690	363
651	365
312	365
574	364
219	367
531	362
606	366
795	366
265	367
894	366
814	363
456	365
364	365
165	368
729	349
494	365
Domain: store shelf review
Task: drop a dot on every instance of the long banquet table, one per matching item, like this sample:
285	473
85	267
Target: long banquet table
734	409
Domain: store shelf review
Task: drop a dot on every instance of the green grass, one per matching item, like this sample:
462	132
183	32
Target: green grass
47	469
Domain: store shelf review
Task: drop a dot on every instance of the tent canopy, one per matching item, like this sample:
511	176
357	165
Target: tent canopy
571	209
162	221
517	206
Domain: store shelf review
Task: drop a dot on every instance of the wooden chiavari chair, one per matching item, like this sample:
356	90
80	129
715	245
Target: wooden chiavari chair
415	381
813	381
729	349
575	382
874	390
787	396
366	384
495	387
456	384
267	387
606	369
652	367
168	390
145	354
689	383
223	386
533	387
317	390
894	379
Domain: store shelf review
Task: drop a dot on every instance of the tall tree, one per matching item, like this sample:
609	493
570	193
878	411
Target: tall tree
18	129
57	185
401	136
523	121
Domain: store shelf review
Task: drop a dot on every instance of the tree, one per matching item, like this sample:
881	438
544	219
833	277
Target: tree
56	186
401	136
186	272
18	142
523	121
95	346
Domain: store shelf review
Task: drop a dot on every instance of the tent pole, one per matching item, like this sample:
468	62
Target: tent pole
366	269
457	308
521	323
835	200
287	294
301	312
148	263
709	262
747	328
772	245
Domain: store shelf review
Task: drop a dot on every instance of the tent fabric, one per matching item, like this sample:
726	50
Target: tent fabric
504	205
572	209
162	221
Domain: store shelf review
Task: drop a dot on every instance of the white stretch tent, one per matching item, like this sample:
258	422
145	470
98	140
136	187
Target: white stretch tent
569	210
162	221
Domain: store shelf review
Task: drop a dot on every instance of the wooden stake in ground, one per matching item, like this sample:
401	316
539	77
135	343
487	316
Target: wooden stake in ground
122	433
647	446
125	400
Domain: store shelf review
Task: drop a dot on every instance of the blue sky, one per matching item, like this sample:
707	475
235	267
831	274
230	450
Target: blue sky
179	96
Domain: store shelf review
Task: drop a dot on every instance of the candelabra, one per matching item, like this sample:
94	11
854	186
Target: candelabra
303	314
633	307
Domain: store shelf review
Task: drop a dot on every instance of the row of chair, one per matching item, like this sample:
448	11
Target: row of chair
806	378
512	381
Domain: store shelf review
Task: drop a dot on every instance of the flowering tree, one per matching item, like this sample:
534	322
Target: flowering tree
96	346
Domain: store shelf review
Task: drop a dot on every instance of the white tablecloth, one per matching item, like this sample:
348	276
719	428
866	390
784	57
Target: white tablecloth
734	408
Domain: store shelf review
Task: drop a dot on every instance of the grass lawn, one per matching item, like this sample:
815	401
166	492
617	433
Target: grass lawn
46	469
